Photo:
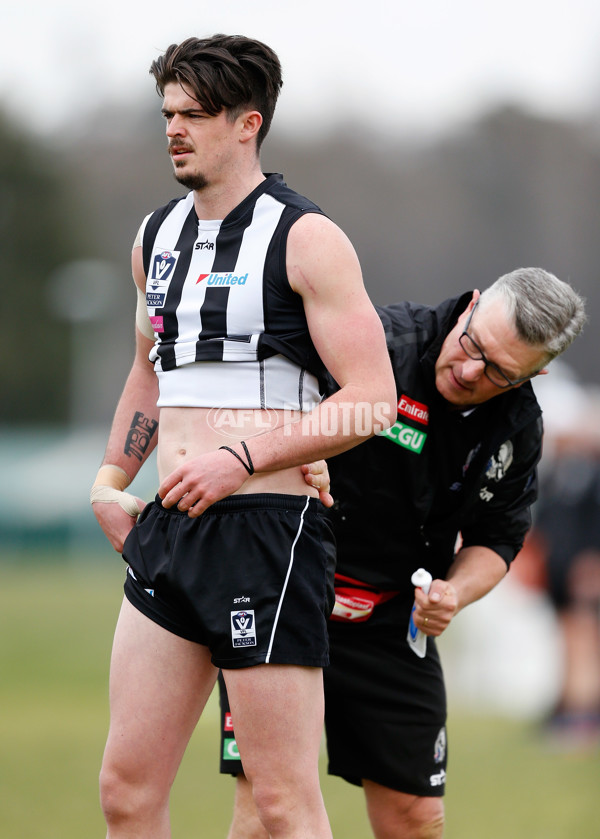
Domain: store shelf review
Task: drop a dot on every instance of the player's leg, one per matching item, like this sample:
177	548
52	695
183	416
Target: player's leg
278	714
397	815
245	823
159	684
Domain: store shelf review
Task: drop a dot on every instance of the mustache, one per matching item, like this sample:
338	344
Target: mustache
179	146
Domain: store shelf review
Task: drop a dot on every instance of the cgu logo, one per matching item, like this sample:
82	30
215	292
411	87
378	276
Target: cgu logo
405	436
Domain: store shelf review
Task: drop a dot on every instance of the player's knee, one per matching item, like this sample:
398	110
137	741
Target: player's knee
116	805
247	829
428	818
123	799
272	805
418	818
245	822
278	802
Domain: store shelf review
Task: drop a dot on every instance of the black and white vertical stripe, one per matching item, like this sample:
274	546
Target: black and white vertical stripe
206	314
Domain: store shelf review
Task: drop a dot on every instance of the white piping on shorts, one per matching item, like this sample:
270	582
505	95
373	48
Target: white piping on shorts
287	577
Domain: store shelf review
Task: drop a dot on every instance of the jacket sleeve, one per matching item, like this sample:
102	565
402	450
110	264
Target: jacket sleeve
508	487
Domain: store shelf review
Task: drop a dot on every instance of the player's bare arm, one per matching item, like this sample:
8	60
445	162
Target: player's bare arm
323	268
347	332
132	438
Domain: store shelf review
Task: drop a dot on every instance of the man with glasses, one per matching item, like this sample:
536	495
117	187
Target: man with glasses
491	370
447	488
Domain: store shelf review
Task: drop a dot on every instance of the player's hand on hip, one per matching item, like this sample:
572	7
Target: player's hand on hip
317	475
201	481
115	522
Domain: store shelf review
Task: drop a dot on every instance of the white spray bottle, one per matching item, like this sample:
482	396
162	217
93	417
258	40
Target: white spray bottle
417	640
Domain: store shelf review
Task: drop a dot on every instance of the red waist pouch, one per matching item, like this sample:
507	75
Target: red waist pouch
355	600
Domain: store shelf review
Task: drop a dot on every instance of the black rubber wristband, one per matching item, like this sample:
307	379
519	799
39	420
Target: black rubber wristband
250	464
249	467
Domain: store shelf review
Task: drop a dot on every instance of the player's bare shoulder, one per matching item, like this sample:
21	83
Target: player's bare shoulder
319	251
137	268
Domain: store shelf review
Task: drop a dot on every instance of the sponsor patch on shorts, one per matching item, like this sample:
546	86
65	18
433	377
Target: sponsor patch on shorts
243	633
438	780
230	749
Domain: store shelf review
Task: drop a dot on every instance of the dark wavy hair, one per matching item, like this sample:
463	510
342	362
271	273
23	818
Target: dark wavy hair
224	72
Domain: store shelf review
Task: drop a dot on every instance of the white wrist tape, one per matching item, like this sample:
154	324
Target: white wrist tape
110	495
110	475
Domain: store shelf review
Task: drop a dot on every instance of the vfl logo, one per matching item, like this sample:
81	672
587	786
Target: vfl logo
161	274
162	266
405	436
243	633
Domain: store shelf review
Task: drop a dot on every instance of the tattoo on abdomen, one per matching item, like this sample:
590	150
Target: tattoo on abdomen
139	435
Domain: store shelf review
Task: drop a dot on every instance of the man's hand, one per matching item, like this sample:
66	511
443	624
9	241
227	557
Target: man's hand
115	522
317	475
201	481
435	610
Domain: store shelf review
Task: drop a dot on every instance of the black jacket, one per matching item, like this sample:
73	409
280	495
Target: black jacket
403	497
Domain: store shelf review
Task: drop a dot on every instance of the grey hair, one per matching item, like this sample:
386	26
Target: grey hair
546	312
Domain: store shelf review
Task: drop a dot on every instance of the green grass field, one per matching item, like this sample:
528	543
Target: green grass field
56	624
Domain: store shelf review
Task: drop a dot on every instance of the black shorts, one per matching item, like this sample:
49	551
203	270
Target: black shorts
385	708
251	578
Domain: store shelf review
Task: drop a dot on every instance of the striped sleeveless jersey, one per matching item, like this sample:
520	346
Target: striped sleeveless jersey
229	330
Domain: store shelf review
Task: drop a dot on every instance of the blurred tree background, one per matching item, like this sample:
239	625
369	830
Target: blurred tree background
38	232
428	219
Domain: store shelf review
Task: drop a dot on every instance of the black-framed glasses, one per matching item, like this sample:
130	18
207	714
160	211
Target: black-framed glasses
474	351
